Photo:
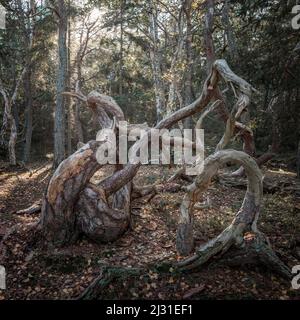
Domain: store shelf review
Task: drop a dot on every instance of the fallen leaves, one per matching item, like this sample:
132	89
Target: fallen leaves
193	291
152	240
125	242
152	226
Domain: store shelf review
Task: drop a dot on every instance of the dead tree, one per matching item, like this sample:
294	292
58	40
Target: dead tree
251	244
238	128
73	205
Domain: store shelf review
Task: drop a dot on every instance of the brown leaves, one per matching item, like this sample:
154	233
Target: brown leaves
31	276
193	291
126	242
152	226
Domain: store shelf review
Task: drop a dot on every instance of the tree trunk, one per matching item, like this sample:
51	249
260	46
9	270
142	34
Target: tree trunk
242	233
229	31
72	205
30	37
78	124
245	133
68	100
121	62
188	97
58	219
12	142
10	118
59	121
208	35
28	116
155	57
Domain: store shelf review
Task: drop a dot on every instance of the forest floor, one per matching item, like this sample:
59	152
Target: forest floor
39	273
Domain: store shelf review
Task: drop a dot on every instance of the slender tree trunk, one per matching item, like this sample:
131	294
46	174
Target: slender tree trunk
171	102
228	30
59	122
12	142
78	123
121	50
208	38
28	116
9	117
189	61
30	36
156	64
68	100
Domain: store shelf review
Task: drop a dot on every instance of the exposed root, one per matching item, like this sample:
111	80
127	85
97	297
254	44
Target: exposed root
34	208
245	222
106	276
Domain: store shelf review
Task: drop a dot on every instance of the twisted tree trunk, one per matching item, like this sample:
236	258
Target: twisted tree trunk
242	232
73	205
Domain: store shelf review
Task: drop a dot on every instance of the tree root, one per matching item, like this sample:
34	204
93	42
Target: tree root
34	208
107	275
255	250
242	229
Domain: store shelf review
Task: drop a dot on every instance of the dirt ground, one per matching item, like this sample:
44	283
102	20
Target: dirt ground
35	272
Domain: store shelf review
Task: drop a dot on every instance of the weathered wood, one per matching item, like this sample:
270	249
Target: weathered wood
35	208
72	205
58	219
244	222
97	219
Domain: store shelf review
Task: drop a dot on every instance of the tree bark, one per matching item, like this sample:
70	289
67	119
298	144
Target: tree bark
59	121
68	100
245	133
121	62
28	116
188	97
229	31
10	118
243	228
208	35
58	220
72	205
155	57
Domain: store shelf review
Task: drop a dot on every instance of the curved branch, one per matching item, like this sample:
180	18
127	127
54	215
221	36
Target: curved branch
242	229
